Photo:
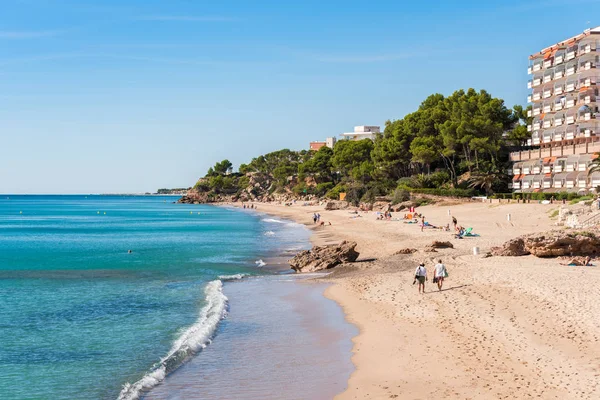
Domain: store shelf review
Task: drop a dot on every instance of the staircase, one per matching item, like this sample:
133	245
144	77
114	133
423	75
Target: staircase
591	221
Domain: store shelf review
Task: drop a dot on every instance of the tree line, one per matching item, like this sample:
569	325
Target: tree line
455	143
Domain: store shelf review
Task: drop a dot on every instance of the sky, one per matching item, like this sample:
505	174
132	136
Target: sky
124	96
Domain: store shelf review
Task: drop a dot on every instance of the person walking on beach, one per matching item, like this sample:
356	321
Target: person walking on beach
318	217
422	223
439	274
421	276
454	222
314	218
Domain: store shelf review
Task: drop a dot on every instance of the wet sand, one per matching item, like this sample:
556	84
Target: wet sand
281	340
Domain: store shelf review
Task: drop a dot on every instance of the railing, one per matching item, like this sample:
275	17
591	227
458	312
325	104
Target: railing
592	221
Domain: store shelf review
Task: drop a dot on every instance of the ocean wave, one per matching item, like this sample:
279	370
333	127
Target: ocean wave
269	233
276	221
260	263
190	342
232	277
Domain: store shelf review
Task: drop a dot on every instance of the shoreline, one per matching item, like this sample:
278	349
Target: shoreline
503	325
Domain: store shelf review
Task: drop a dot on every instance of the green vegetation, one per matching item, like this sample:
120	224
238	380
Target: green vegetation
450	146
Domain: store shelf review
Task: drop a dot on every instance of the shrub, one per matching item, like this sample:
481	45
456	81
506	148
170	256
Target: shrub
407	182
368	196
442	192
334	193
323	188
400	195
439	178
354	195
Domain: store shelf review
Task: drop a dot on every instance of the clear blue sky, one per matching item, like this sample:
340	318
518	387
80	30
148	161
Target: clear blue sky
130	96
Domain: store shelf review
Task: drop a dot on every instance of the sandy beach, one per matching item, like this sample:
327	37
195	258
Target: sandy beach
502	328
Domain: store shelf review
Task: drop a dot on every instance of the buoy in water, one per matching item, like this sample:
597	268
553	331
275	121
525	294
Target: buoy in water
20	212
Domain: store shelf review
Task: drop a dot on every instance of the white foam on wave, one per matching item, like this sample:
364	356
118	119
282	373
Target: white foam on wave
276	221
232	277
269	233
260	263
191	341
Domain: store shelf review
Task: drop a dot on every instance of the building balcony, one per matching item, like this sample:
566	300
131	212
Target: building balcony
529	128
536	111
572	102
529	113
537	96
559	120
559	57
586	48
570	119
529	98
571	70
537	126
547	78
558	89
529	84
547	124
529	70
547	108
537	81
547	63
570	86
537	66
547	93
559	73
571	53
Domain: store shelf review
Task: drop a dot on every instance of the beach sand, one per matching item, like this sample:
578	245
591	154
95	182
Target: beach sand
502	328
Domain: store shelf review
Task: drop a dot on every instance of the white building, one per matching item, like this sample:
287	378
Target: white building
565	127
362	132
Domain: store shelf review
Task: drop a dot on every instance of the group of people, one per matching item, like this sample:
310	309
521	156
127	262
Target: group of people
316	218
249	206
439	274
385	216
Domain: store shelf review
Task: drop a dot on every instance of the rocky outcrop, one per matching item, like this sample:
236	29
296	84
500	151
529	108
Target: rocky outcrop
336	205
324	257
194	197
512	248
551	244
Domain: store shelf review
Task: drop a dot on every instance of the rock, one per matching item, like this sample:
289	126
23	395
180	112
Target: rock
441	245
336	205
514	247
324	257
406	251
381	206
552	244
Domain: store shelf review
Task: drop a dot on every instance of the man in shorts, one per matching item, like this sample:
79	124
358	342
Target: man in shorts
421	276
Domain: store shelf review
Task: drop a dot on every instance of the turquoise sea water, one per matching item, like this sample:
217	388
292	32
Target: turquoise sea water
80	316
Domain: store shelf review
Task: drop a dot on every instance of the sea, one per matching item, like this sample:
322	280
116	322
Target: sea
133	297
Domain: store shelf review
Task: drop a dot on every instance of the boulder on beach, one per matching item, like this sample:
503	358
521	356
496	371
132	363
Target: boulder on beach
336	205
551	244
406	251
324	257
436	244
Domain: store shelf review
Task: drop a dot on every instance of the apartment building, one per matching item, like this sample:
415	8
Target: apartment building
329	142
565	131
362	132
